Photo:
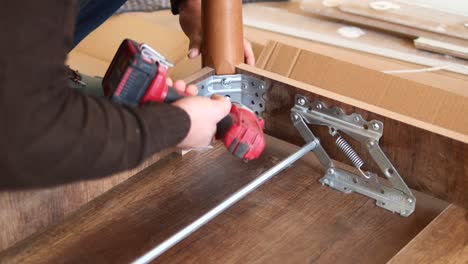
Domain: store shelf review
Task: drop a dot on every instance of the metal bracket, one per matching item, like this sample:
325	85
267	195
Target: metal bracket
238	88
395	196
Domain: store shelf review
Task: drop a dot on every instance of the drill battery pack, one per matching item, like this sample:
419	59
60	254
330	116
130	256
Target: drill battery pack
133	77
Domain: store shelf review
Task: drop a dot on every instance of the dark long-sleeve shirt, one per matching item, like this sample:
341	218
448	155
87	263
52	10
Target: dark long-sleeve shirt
50	134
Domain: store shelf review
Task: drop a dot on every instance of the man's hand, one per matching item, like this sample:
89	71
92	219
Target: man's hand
204	114
182	88
190	21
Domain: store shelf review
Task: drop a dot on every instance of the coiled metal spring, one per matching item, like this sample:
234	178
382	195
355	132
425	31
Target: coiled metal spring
350	153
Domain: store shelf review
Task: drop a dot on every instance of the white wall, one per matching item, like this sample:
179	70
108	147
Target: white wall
454	6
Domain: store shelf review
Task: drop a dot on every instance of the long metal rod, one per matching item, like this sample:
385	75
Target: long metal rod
194	226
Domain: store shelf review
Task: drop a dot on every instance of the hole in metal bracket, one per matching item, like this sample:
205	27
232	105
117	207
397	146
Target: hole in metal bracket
390	172
241	89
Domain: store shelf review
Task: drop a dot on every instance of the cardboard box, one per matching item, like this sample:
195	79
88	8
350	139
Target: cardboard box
438	110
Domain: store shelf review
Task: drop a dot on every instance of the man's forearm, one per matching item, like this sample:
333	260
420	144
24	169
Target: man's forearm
51	134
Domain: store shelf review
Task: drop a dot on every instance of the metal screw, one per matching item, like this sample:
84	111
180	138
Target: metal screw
356	119
295	116
244	86
410	200
319	106
375	126
331	171
370	143
301	101
262	86
225	82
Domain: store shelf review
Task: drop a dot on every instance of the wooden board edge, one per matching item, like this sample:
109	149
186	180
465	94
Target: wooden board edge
356	103
197	76
427	245
441	47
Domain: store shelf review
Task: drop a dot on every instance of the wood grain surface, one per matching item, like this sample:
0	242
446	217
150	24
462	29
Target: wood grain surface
290	219
429	162
444	241
26	212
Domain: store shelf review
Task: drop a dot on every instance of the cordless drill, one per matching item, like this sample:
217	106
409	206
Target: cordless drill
137	75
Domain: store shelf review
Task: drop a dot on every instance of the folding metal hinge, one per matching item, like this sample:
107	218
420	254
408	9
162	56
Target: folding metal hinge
392	194
238	88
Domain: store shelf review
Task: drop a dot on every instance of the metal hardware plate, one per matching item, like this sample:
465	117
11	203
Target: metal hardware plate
397	197
238	88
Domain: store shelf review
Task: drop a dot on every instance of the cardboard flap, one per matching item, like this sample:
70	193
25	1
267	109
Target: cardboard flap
425	106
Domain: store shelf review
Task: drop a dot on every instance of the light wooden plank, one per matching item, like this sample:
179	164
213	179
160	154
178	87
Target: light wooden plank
337	13
288	19
441	47
411	15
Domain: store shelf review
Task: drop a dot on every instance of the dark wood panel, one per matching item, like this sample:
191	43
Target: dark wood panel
25	212
444	241
428	162
290	219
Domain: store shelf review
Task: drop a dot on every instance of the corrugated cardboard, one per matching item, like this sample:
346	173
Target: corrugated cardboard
161	30
93	55
431	108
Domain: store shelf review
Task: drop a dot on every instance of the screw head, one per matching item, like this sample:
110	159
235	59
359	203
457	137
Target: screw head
370	143
301	101
331	171
356	119
295	116
319	106
225	82
244	86
375	126
261	86
410	200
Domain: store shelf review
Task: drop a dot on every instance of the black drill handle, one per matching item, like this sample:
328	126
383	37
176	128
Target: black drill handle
172	95
221	128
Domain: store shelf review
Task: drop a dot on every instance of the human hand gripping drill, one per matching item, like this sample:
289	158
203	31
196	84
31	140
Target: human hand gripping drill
137	75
